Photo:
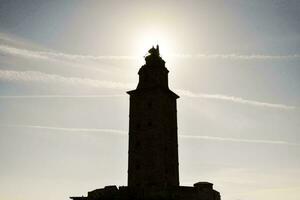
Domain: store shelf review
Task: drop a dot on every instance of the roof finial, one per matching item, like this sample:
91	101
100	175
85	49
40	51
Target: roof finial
154	51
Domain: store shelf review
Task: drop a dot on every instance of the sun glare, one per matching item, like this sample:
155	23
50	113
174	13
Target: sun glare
149	39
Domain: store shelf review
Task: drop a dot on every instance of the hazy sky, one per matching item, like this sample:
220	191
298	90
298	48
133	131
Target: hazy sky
65	66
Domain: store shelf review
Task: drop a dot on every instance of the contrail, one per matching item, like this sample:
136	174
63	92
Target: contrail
43	55
60	96
236	56
122	132
235	99
35	76
66	129
27	53
280	142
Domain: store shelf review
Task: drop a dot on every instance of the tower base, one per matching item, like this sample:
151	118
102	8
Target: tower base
200	191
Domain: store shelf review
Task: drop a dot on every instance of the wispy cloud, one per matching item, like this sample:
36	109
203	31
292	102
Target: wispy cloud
5	49
28	53
235	100
280	142
122	132
237	56
59	96
35	76
65	129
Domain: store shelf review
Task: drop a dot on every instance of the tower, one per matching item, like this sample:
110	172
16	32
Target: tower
153	145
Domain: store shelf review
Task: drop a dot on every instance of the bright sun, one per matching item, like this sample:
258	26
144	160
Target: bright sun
152	38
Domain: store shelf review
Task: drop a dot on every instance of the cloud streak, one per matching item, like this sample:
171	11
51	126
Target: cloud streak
235	100
237	56
48	55
279	142
122	132
51	128
59	96
37	77
9	50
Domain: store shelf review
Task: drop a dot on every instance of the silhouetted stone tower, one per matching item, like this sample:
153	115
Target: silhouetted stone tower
153	146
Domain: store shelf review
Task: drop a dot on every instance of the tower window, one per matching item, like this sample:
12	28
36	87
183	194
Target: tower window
149	123
149	104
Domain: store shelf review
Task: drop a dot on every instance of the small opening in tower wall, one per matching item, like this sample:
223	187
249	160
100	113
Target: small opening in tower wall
149	104
150	123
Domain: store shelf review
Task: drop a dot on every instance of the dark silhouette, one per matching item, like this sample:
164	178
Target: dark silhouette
153	154
153	146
